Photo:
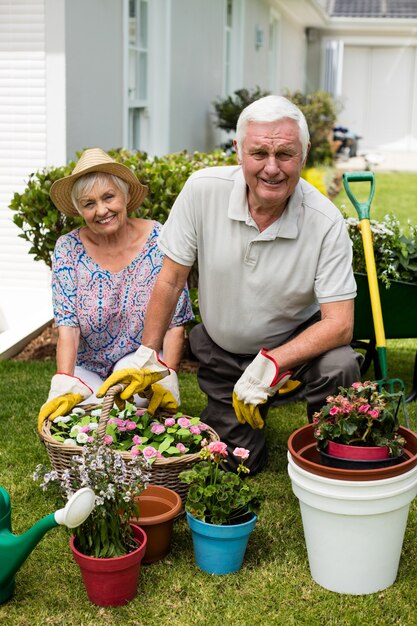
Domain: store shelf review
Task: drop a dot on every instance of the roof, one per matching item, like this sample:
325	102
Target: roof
373	8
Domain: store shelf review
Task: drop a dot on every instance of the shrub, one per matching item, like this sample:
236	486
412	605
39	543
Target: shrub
227	110
41	222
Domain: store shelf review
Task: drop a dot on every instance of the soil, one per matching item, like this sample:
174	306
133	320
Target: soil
43	348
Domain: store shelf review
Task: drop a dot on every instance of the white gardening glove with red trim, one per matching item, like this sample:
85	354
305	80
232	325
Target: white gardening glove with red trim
165	395
260	380
64	394
140	371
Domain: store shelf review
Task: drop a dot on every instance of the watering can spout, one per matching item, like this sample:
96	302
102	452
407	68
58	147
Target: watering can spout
14	549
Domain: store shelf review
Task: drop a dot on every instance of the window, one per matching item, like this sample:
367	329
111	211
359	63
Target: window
137	70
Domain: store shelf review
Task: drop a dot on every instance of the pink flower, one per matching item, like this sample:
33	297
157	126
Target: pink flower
90	439
218	447
137	440
108	440
130	425
364	408
241	453
157	429
184	422
159	455
334	410
203	426
85	429
140	412
357	385
204	443
373	413
194	430
180	447
149	452
169	422
135	451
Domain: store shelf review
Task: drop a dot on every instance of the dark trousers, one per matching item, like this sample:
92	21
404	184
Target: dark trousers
219	371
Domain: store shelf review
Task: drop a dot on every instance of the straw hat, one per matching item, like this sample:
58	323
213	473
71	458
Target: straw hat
95	160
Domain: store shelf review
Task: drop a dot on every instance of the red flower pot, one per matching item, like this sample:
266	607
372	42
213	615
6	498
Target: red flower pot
112	582
361	453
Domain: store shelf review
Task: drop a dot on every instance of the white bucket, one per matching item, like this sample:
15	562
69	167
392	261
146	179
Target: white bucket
354	530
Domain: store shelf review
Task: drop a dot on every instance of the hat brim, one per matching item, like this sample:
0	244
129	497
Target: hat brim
61	189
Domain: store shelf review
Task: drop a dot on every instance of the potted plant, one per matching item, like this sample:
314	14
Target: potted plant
359	426
221	508
107	547
354	517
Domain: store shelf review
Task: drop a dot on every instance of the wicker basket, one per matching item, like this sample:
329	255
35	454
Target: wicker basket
164	472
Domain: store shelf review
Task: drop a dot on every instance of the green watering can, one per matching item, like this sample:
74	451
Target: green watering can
14	549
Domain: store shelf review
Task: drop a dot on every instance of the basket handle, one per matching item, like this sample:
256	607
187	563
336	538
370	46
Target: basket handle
107	406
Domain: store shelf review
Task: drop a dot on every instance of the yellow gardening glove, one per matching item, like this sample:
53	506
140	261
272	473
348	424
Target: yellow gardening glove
140	371
260	380
65	393
165	395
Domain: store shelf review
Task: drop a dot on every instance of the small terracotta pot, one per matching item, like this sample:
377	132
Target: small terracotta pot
158	508
362	453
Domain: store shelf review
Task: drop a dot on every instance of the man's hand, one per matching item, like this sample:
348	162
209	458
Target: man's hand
165	395
65	393
140	372
260	380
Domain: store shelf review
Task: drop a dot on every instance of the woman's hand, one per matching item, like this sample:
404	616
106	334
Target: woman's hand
65	393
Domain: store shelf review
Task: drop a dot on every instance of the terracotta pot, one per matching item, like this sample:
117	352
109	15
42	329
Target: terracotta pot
112	582
158	508
302	446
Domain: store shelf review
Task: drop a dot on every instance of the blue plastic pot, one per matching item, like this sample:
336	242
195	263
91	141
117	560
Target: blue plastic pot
220	549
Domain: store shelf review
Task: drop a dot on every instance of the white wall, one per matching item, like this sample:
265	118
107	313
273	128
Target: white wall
94	72
22	129
196	72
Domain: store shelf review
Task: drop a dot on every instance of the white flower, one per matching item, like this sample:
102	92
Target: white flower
96	412
69	442
75	430
82	437
62	418
93	425
78	411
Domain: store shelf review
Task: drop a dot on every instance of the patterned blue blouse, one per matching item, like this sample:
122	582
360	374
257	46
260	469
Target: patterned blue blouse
108	307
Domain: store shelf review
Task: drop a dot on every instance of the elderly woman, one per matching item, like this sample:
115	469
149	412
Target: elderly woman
102	278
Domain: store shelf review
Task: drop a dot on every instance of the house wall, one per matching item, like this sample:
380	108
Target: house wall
94	74
293	56
23	137
196	62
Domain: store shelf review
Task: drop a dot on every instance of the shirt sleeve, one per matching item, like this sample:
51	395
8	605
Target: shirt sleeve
178	238
334	278
184	311
64	283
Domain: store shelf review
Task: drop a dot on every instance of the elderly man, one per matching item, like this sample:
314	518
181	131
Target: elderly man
276	288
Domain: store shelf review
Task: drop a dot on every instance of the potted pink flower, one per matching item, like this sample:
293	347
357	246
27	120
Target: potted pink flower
221	508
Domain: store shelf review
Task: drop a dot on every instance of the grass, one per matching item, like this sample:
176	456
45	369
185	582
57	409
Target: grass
395	192
274	587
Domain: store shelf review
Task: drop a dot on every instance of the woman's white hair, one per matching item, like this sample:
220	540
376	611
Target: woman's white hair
272	109
85	183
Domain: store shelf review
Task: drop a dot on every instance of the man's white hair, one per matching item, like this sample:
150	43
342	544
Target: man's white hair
272	109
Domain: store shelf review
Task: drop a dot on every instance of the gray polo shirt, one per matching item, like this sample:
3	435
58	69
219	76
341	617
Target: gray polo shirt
256	288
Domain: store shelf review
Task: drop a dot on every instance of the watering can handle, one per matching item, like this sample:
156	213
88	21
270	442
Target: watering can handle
362	208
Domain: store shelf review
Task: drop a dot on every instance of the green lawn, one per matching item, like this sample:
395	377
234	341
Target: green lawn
395	192
274	587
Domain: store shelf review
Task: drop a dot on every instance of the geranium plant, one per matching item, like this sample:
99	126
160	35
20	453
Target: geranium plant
133	430
106	532
395	251
217	496
360	415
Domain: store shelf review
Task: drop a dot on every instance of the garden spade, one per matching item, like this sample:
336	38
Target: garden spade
363	209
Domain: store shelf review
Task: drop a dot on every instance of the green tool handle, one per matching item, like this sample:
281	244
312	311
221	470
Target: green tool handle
362	208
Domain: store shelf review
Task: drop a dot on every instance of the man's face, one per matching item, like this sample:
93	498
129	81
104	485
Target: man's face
272	161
